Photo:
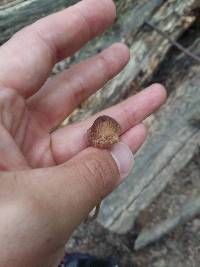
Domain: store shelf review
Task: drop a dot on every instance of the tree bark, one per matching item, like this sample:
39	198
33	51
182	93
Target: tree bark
171	143
149	236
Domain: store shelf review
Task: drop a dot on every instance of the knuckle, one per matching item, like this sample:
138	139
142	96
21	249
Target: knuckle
104	67
12	107
96	174
7	94
100	174
130	117
85	21
50	46
81	91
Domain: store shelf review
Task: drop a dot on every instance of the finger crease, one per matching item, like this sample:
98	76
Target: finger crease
52	49
85	21
105	68
130	117
80	94
52	150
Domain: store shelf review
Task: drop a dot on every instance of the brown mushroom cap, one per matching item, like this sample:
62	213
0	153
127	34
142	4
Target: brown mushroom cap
104	132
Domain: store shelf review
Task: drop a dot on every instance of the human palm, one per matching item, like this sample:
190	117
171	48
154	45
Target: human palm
50	173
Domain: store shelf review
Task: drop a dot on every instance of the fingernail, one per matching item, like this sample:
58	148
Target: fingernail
124	159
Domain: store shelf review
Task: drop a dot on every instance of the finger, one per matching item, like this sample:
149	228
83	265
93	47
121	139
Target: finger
27	59
67	90
135	137
79	184
68	141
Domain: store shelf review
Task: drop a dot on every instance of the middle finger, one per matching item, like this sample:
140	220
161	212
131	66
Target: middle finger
68	89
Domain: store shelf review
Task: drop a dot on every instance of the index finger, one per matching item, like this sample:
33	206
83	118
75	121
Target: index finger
27	58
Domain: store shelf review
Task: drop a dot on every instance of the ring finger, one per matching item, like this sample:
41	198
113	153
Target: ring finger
70	140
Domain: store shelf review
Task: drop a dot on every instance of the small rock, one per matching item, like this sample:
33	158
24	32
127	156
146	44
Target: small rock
196	225
160	263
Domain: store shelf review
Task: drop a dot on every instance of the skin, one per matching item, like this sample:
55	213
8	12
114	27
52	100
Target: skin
50	182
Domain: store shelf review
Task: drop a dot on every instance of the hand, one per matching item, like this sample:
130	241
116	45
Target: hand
50	182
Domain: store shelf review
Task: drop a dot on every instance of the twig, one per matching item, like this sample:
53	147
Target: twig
174	43
187	213
93	217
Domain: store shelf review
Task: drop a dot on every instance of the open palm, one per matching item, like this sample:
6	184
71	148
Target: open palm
31	105
44	175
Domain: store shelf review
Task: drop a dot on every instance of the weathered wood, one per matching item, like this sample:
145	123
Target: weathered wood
171	143
162	155
19	13
148	49
149	236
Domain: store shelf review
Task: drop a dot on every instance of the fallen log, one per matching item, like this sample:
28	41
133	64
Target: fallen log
148	49
171	143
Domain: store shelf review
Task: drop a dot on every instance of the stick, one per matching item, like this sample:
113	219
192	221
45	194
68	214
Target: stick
174	43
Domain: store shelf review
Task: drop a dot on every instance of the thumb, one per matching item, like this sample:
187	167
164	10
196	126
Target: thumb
74	188
96	173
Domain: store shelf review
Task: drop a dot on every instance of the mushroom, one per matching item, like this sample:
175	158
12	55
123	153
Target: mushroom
104	132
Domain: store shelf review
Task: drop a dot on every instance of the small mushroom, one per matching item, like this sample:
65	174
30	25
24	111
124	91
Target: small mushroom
104	132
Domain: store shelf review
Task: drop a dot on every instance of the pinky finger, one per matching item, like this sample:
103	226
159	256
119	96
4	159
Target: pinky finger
135	137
